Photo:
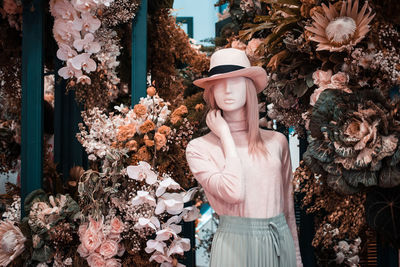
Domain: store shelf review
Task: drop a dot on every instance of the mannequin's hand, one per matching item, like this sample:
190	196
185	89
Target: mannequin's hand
217	123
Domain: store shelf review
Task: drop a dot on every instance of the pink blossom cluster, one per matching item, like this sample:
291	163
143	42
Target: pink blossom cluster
100	242
74	30
163	201
325	80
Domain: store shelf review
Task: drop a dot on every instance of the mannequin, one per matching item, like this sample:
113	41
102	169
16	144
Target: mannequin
245	171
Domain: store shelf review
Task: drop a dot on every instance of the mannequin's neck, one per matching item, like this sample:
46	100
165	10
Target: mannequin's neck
235	115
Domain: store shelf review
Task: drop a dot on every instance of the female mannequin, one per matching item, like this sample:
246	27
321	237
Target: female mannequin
245	171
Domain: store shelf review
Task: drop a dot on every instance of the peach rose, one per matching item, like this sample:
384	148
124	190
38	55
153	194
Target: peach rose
315	95
113	263
322	78
199	107
151	91
95	260
143	154
175	118
126	131
91	240
116	225
160	140
131	145
340	80
164	130
11	7
109	249
147	126
180	111
140	110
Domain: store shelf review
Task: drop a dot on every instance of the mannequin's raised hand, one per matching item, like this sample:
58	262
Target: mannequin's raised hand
217	123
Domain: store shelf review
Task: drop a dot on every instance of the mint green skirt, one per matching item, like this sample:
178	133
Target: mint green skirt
253	242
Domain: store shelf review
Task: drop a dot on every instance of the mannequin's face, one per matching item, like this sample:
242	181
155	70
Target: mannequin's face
230	93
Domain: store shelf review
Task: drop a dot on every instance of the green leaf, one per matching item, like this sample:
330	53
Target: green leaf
363	177
338	184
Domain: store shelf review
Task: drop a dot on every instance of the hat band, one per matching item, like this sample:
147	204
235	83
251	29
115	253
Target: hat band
224	69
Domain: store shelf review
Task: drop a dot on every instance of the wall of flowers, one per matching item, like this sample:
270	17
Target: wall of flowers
128	206
334	75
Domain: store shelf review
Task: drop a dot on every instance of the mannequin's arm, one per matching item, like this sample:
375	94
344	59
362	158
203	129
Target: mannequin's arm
287	175
226	184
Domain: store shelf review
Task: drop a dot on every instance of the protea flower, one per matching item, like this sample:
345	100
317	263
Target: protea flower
11	242
336	32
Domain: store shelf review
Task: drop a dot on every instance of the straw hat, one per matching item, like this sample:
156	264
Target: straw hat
232	62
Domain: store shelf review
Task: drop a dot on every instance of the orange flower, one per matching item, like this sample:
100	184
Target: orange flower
151	91
132	145
149	143
180	111
164	130
140	109
199	107
160	140
147	126
175	118
125	132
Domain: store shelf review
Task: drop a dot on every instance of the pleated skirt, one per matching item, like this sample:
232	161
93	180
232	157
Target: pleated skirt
253	242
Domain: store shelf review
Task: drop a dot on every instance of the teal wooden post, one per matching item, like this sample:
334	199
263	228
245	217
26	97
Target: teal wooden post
32	98
139	54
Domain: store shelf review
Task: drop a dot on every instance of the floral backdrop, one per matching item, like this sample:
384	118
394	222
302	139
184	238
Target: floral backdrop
333	71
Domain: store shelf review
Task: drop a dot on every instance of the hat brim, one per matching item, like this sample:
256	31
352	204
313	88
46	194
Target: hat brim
257	74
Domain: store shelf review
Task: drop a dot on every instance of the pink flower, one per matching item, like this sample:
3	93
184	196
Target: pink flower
109	249
167	183
63	9
65	52
89	22
170	202
143	197
84	62
322	78
190	214
252	46
64	31
83	251
90	240
95	260
69	71
87	44
84	79
179	246
117	226
170	231
340	80
315	95
83	5
155	245
113	263
141	172
11	242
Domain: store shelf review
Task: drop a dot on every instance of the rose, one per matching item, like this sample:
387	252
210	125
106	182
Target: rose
91	240
140	110
151	91
160	140
116	225
164	130
95	260
322	78
315	95
109	249
340	80
126	131
113	263
147	126
131	145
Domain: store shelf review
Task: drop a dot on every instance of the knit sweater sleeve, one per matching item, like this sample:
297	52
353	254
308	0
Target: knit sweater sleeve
287	175
226	184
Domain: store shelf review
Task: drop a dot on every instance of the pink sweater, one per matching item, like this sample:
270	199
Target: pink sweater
241	186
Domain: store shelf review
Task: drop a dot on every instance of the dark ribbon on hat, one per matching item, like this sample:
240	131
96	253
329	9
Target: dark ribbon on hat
224	69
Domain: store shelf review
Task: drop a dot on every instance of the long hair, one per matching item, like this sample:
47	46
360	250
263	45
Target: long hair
256	145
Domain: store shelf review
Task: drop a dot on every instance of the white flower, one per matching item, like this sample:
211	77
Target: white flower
190	213
153	222
142	171
143	197
167	183
179	246
170	202
155	245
